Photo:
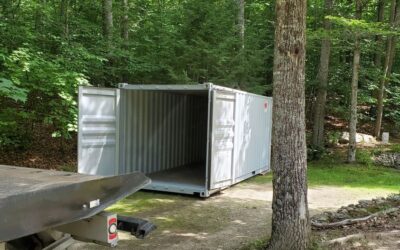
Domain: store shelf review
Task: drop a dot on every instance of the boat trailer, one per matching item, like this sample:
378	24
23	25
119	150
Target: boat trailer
55	207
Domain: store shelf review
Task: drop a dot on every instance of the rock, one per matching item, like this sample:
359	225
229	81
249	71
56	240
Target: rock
360	138
341	216
380	201
321	218
388	160
394	197
365	203
362	211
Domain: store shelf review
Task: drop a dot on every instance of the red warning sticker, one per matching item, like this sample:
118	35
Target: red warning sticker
112	228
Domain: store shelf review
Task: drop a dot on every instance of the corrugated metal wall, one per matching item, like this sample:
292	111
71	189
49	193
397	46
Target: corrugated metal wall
252	134
97	130
161	130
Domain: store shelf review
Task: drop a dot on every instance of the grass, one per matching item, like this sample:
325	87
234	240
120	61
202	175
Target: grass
354	176
256	245
186	218
333	173
147	202
346	175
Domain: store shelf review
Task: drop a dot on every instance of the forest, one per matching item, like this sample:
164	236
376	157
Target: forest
332	68
50	47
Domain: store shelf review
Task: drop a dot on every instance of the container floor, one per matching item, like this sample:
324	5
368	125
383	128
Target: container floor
185	179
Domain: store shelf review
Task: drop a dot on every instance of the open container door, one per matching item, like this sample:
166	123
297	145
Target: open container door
98	133
222	140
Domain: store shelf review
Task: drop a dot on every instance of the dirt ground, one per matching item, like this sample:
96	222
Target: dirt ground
361	239
381	231
228	220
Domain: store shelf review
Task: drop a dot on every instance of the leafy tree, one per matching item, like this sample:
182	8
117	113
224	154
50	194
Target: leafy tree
49	47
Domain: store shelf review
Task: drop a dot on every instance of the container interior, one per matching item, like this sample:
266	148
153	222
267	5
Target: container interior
164	135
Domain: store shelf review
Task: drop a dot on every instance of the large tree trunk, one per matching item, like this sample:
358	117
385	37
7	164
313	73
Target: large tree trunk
354	89
290	218
387	68
125	21
322	77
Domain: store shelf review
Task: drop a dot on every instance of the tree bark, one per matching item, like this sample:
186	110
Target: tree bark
107	21
241	36
354	89
65	18
387	68
290	218
125	38
322	77
241	25
125	21
108	36
39	23
378	38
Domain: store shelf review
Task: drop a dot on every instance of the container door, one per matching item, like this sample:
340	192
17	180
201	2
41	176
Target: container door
223	130
97	137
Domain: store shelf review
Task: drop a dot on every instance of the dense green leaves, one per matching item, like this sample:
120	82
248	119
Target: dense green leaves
9	90
47	49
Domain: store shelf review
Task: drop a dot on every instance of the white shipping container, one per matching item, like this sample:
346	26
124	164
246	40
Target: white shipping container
191	139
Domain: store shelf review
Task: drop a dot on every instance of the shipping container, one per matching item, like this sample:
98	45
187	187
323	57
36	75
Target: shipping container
191	139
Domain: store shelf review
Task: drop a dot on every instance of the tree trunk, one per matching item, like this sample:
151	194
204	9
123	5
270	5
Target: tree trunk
354	89
107	21
241	55
65	19
125	37
290	218
241	5
107	34
39	23
125	21
378	38
387	67
322	77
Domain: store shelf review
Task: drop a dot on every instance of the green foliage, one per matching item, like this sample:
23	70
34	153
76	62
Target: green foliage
15	132
333	137
364	157
392	104
41	90
315	152
43	57
9	90
395	148
172	42
363	26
